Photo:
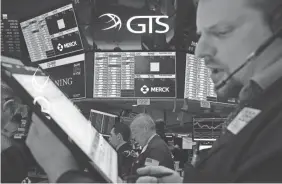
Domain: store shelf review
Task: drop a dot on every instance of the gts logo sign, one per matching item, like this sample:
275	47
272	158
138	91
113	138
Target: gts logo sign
157	19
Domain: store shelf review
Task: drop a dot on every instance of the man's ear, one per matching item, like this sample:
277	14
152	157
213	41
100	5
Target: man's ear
119	136
9	105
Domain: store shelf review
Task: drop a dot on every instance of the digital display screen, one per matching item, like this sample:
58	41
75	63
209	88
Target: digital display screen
52	34
134	75
10	35
207	129
69	75
103	122
198	84
72	122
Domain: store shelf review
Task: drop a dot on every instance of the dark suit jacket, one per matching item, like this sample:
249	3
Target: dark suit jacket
255	153
158	150
125	160
14	165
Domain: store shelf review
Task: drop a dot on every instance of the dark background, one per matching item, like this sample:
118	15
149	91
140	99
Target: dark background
77	89
184	27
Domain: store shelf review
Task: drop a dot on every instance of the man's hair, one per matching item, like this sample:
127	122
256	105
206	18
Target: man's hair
145	120
123	129
6	92
271	9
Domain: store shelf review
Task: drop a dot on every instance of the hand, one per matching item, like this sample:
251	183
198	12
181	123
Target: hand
173	178
52	155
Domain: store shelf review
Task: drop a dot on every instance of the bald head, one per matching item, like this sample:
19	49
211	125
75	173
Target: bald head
144	121
142	128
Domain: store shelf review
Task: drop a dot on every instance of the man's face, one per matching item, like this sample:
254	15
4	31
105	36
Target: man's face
113	139
230	30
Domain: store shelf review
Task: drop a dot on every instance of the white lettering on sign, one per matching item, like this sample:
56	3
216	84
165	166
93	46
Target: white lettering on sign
70	44
143	26
117	23
64	82
160	89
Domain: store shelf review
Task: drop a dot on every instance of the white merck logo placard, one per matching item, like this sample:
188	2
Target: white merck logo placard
117	23
61	47
145	89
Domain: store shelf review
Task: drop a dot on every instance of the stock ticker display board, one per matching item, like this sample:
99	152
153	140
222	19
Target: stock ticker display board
68	74
134	75
52	34
198	84
10	35
207	129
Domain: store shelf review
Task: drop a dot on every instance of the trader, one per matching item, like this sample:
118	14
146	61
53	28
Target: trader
119	139
230	31
248	150
155	151
14	161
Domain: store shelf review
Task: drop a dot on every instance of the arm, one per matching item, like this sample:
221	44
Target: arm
14	166
75	176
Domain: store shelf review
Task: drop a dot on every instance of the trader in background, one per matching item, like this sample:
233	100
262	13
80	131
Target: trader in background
155	151
250	148
119	139
160	129
14	162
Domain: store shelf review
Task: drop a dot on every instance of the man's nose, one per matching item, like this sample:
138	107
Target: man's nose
205	48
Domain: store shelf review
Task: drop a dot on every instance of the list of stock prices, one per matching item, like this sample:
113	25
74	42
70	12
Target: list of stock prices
134	74
198	84
10	36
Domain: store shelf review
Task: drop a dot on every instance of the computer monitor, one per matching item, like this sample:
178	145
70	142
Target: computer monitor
198	84
52	34
10	35
207	129
134	75
68	74
102	121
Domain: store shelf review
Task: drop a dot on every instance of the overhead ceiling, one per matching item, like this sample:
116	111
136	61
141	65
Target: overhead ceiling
171	105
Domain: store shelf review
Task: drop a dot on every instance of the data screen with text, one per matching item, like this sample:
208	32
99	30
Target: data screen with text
10	36
134	75
52	34
198	84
